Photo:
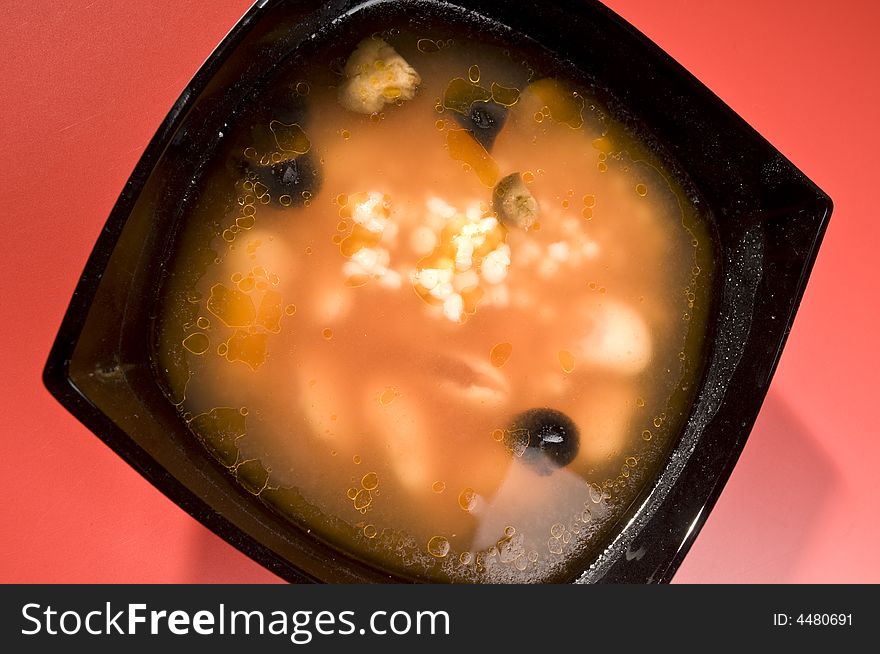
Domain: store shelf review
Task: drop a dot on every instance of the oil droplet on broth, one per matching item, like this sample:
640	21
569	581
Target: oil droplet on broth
474	74
464	147
290	138
370	481
356	459
604	145
245	222
438	486
566	360
232	306
327	333
196	343
504	95
249	348
500	354
427	45
461	94
563	105
641	189
438	546
388	395
362	500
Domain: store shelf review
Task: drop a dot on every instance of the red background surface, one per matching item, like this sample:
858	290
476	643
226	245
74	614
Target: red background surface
86	83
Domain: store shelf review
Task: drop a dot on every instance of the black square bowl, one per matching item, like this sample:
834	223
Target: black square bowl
767	217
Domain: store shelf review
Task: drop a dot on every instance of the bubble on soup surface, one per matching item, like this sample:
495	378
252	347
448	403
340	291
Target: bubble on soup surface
467	499
438	546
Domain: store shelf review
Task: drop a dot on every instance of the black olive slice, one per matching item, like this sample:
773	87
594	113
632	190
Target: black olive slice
298	178
484	119
552	438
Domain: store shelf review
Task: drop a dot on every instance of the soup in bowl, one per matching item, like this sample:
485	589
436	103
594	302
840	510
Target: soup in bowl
450	306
